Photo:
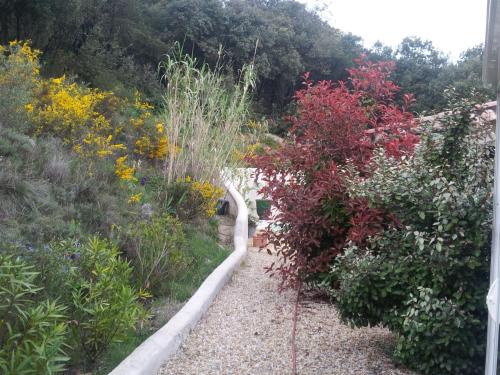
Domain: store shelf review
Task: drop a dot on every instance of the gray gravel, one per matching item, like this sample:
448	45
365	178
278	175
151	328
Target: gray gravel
247	331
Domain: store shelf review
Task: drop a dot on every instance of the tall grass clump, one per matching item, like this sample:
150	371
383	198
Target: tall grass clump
204	116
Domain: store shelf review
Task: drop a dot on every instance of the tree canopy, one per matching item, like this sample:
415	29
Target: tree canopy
117	44
426	72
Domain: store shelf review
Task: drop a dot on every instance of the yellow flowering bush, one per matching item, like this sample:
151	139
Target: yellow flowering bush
249	152
255	141
151	140
210	194
153	146
123	171
76	114
66	108
142	112
94	123
142	106
20	62
190	198
104	146
19	70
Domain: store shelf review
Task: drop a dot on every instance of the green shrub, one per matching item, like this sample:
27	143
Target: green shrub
32	334
426	278
204	254
104	306
157	251
55	263
186	203
368	278
443	331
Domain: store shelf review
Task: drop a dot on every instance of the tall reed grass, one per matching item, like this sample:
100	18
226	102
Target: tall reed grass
204	116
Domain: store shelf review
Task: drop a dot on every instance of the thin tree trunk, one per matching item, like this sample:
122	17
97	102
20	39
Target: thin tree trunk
295	318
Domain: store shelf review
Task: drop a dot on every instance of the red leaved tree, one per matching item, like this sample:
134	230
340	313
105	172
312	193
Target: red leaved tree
335	123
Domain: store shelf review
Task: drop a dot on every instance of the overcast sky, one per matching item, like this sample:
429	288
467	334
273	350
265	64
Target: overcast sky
452	25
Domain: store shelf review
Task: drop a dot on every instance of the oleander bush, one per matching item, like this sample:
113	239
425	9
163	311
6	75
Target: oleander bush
426	275
103	305
93	282
33	331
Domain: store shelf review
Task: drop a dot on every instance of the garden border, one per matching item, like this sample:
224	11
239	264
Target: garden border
148	357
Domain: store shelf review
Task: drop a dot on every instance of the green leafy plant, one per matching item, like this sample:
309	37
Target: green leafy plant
157	251
426	275
186	203
32	333
104	305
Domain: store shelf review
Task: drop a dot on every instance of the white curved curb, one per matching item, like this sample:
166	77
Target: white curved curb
152	353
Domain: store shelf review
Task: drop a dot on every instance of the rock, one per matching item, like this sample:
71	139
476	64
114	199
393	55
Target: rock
146	211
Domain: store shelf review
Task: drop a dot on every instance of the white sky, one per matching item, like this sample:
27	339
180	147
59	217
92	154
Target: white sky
451	25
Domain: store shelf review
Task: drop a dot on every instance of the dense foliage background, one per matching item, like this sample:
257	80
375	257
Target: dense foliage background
117	44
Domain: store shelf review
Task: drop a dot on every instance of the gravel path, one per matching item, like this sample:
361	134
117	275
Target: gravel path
247	331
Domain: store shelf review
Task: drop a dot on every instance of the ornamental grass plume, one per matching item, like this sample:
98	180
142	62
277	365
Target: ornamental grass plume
203	117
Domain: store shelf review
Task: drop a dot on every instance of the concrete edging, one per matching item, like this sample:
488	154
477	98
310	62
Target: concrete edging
148	357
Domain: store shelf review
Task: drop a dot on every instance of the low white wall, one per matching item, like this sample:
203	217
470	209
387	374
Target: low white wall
248	186
152	353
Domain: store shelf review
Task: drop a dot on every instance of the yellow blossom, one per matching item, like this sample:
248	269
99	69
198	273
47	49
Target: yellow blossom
161	149
142	145
123	171
209	193
20	63
137	122
139	104
58	81
78	149
136	198
103	153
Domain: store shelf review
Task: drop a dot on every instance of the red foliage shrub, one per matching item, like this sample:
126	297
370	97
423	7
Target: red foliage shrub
336	123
